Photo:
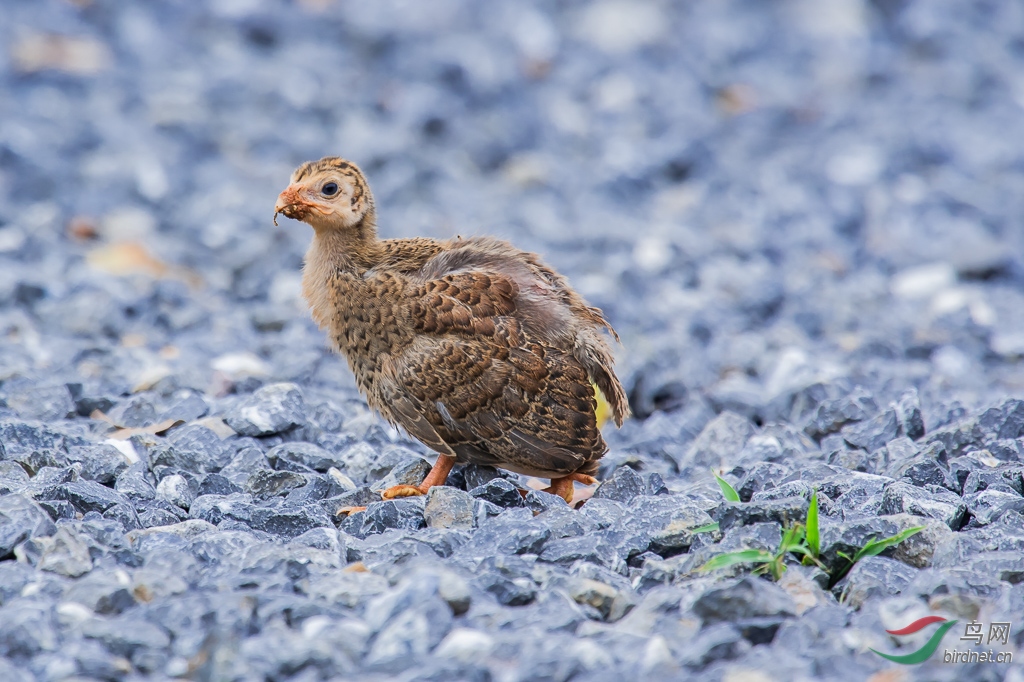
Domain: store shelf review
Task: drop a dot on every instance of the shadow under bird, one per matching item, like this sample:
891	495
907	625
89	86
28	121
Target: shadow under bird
478	349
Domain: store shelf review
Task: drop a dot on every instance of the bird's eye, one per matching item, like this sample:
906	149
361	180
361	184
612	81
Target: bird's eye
330	189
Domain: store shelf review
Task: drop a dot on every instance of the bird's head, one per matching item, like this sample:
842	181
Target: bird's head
328	194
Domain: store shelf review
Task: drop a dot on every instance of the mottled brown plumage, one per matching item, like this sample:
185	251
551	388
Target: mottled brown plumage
476	348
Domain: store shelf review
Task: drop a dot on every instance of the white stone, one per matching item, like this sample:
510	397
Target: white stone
922	281
615	92
12	238
657	655
948	301
314	625
652	253
286	288
128	223
618	26
238	365
465	645
71	613
186	530
856	166
151	178
951	361
1008	343
982	313
910	189
174	489
341	479
125	447
534	34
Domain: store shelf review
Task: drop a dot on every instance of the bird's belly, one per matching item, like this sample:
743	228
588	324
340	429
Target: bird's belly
472	455
536	473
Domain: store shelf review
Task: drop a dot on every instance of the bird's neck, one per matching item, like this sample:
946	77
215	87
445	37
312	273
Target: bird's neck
352	249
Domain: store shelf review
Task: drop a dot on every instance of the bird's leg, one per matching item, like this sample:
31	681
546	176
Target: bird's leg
563	486
437	476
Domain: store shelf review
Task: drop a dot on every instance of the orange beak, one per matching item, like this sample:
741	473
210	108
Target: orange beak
291	204
296	203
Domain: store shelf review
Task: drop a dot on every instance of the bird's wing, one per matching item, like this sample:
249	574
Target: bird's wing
404	412
462	302
483	386
546	306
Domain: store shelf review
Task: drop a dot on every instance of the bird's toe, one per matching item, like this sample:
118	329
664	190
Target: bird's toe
402	491
346	511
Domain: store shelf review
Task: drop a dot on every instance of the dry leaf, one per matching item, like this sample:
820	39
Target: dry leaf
82	229
316	6
143	593
126	258
152	430
220	384
70	54
218	426
132	258
150	377
891	675
100	415
133	340
169	353
736	99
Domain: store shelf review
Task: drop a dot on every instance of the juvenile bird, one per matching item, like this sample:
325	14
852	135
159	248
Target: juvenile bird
479	350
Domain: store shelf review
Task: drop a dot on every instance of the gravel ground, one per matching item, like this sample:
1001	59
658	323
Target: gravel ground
804	219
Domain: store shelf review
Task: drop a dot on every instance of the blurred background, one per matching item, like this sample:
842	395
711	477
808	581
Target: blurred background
760	194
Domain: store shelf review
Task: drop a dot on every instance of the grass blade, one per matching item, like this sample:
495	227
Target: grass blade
813	536
872	548
777	567
745	556
706	528
792	538
875	547
728	492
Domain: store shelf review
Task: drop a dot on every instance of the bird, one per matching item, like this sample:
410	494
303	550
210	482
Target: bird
478	349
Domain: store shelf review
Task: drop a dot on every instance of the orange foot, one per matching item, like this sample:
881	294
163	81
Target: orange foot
404	491
349	510
437	476
563	486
